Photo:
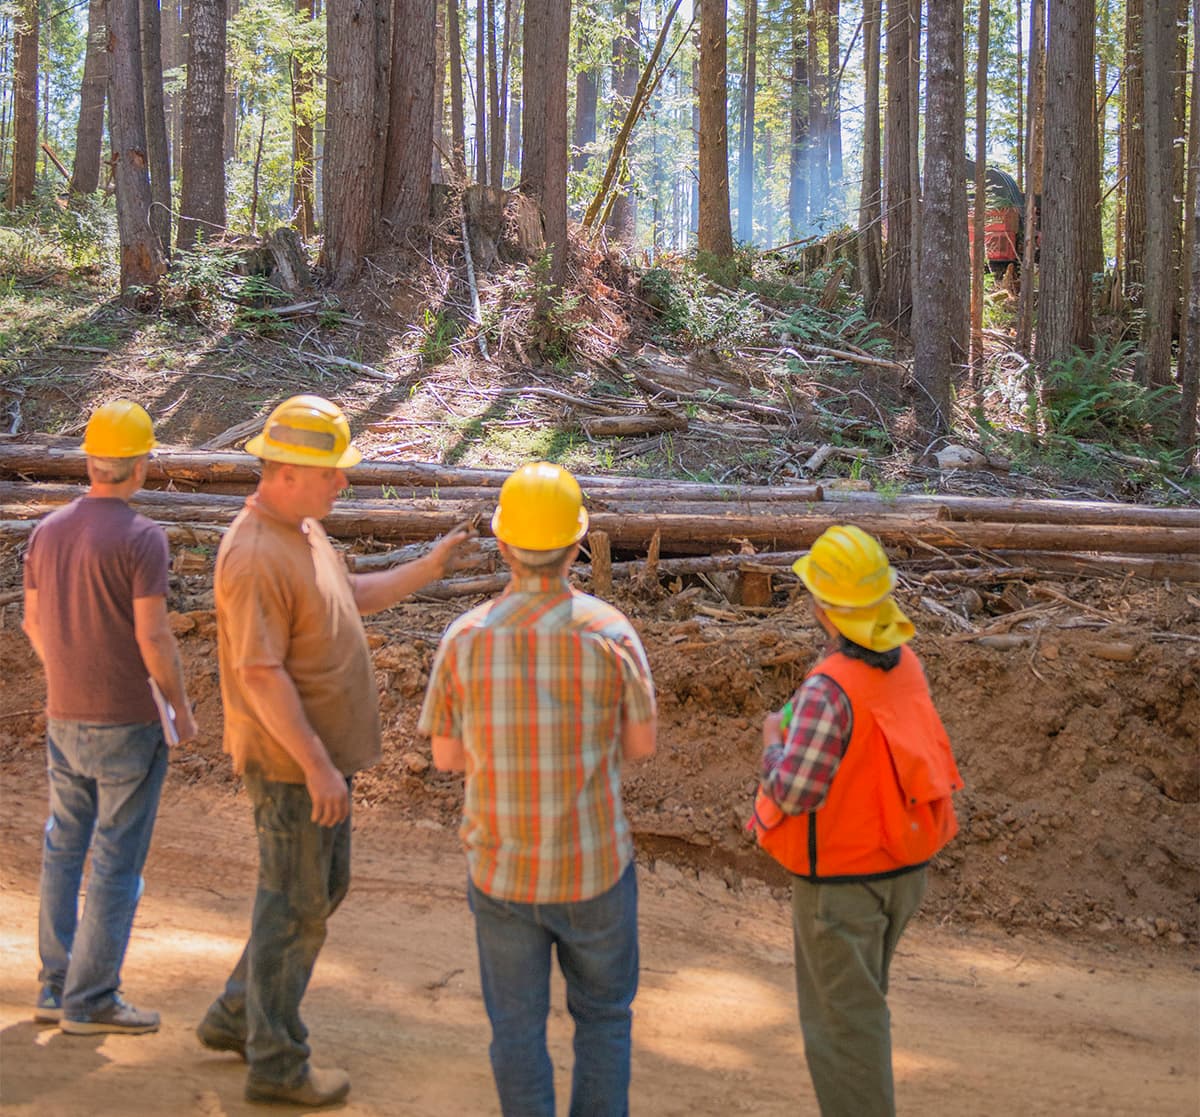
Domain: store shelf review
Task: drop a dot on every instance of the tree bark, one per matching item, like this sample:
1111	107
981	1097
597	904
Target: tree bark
409	161
715	233
89	134
303	108
25	106
798	110
1070	192
202	193
1033	178
939	326
587	95
833	113
157	147
142	260
870	210
746	154
353	142
894	307
1189	363
979	216
481	160
1135	154
232	108
622	217
818	94
1158	116
458	125
544	127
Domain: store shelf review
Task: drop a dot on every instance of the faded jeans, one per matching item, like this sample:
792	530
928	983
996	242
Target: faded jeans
597	946
105	783
303	875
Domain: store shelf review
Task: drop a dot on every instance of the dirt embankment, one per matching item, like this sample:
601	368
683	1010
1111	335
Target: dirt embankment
1081	813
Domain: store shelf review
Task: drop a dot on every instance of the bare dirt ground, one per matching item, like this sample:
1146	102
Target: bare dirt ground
1053	969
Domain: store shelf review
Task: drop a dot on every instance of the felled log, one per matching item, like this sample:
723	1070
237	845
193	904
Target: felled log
681	532
622	426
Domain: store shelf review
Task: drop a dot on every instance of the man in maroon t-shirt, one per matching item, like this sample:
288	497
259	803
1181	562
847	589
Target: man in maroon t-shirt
96	614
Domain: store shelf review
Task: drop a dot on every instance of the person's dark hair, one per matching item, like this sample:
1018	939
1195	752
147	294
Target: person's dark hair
885	661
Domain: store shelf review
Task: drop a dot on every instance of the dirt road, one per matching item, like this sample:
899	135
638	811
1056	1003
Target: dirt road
985	1024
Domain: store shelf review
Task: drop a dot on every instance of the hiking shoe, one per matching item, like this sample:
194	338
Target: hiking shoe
118	1017
48	1009
216	1038
317	1088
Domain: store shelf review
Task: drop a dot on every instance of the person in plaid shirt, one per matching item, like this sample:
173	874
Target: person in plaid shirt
854	799
540	696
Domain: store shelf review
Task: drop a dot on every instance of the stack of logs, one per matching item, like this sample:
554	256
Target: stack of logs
195	495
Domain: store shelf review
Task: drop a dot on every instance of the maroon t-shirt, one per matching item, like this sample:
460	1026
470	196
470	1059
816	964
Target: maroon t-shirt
87	562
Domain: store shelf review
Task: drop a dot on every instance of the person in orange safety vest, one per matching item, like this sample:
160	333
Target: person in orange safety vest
854	799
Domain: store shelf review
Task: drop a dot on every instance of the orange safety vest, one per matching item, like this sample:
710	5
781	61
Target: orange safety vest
888	808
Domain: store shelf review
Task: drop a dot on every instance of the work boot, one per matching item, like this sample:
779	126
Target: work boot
318	1087
118	1017
48	1009
217	1038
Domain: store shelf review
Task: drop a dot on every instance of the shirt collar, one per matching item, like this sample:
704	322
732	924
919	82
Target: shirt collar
538	583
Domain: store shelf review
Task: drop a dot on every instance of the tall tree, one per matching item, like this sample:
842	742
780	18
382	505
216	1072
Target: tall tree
715	232
408	163
895	296
89	134
481	113
746	156
870	208
544	125
1033	174
979	216
622	218
939	319
458	127
1070	196
25	107
1189	361
202	189
833	114
232	106
1158	91
587	96
818	99
142	260
303	149
798	114
352	163
157	149
1133	104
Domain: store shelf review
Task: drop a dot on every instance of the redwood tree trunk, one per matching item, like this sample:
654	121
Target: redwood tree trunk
870	243
1033	175
895	299
89	133
798	109
622	219
587	96
407	174
715	234
1135	155
939	319
458	125
1158	89
303	177
833	113
818	119
350	187
202	191
1189	366
746	155
156	124
1071	189
979	216
142	260
25	107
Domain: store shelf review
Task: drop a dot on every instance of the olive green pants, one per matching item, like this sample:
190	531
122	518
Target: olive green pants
845	936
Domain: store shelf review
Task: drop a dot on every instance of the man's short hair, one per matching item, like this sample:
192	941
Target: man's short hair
538	559
112	471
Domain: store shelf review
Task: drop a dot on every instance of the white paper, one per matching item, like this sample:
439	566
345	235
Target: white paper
166	714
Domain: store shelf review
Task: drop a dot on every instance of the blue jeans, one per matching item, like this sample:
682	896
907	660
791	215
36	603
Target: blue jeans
597	946
105	783
303	874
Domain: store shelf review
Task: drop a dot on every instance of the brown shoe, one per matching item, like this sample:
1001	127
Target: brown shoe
319	1087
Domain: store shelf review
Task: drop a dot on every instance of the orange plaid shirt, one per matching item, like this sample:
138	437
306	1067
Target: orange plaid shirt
535	684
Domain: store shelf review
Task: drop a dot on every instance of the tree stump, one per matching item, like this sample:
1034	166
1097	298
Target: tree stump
484	210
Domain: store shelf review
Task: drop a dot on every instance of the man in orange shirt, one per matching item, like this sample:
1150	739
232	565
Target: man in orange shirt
301	717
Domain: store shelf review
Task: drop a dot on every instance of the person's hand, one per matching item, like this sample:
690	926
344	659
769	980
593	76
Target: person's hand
329	793
451	552
772	730
185	724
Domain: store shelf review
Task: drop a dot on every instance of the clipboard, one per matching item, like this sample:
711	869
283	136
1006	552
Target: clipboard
166	714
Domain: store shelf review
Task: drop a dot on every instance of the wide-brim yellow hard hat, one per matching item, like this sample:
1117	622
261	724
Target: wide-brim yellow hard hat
306	430
540	509
119	429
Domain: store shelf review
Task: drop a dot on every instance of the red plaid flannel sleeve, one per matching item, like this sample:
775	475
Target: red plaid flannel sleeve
797	773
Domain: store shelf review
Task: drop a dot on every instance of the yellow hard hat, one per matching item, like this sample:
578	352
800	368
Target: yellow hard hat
540	509
120	429
850	576
306	430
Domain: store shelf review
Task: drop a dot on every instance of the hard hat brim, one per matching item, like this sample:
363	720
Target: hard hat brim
499	531
261	449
